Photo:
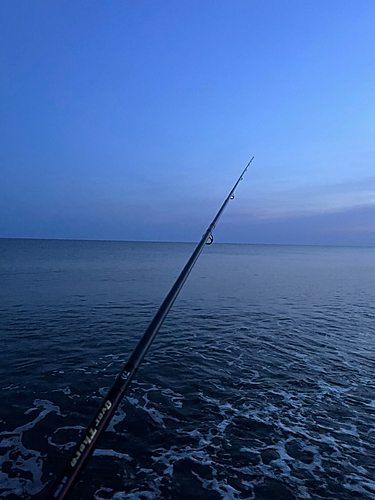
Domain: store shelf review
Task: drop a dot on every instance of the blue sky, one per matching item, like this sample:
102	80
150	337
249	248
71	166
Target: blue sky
131	120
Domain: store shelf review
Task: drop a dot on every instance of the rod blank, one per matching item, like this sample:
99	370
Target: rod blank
86	445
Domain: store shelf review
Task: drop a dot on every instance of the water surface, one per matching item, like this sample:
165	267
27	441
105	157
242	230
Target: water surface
259	385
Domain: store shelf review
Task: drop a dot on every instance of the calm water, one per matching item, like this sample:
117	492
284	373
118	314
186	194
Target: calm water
261	383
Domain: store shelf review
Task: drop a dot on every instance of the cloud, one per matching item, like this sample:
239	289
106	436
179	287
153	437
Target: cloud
335	214
307	200
353	226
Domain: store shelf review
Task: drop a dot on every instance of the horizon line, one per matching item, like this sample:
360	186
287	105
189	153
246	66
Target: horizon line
187	242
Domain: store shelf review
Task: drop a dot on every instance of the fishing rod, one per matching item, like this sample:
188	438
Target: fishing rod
87	444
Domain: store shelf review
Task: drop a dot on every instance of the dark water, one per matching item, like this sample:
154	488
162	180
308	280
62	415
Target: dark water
261	384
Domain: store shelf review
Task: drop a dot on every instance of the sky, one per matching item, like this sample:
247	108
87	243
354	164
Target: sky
132	120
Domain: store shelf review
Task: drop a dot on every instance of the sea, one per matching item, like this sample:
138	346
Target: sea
260	384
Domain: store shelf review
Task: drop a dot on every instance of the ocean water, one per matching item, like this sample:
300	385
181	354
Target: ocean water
260	384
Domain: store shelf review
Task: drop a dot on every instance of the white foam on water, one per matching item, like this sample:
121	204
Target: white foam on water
65	446
103	391
223	409
193	433
359	486
68	445
122	495
292	399
164	458
155	414
153	489
282	468
66	390
27	460
118	417
111	453
331	390
278	469
149	407
132	401
10	387
351	430
226	491
177	399
175	454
